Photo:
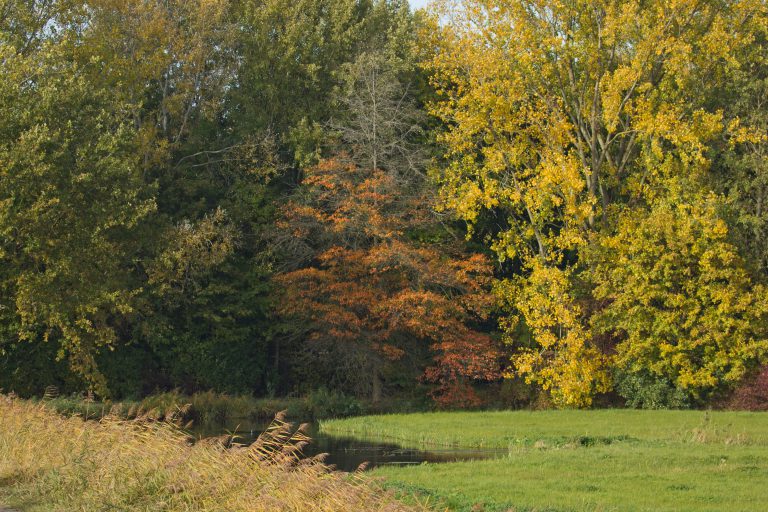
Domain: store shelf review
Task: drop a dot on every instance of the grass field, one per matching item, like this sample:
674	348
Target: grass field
605	460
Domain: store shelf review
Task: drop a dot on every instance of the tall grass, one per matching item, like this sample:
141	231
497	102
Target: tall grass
56	463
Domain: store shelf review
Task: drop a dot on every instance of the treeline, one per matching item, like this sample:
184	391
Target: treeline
518	200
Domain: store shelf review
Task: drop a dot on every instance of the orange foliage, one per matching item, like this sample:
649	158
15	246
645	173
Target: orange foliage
360	279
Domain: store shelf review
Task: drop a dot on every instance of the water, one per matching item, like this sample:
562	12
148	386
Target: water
347	454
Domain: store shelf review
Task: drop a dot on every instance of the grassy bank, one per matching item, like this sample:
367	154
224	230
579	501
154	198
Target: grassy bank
213	408
606	460
509	429
53	463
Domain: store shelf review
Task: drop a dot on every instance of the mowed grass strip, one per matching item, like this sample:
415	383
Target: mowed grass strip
605	478
510	429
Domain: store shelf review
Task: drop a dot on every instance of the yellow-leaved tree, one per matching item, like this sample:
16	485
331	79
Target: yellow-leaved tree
558	116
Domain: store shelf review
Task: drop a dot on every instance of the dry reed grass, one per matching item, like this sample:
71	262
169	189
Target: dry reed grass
51	462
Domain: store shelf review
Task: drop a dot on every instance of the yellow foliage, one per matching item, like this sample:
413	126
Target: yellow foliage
679	293
563	362
557	111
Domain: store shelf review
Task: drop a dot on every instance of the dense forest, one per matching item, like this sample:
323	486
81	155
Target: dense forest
486	202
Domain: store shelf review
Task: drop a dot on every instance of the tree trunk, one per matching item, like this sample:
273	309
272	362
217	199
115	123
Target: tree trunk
376	385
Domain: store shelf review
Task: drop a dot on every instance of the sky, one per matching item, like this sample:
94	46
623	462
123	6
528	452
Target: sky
415	4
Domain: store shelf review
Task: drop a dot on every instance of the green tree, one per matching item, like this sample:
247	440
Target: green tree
72	195
130	205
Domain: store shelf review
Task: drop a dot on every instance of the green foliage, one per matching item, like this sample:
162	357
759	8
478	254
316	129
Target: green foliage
73	201
643	391
323	403
740	163
291	53
118	202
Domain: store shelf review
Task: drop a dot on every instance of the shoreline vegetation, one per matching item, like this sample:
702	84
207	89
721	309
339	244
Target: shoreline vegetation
50	462
209	408
338	413
52	458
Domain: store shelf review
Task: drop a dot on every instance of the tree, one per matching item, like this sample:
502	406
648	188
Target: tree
380	124
693	317
364	293
556	115
72	196
292	52
740	161
117	166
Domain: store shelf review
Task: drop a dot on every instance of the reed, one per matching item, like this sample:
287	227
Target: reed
209	407
56	463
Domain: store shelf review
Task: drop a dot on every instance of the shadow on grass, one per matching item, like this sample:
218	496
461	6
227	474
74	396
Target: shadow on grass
10	501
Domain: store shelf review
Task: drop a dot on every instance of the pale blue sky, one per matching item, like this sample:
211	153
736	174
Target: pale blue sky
415	4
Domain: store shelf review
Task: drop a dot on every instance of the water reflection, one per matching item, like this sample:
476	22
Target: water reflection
348	454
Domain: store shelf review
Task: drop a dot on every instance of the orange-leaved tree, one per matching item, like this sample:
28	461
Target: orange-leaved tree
372	282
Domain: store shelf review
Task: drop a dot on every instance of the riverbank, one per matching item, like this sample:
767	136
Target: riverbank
49	462
580	461
211	408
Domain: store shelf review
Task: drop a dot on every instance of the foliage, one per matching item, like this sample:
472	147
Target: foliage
562	362
332	404
291	54
752	393
209	411
555	117
643	391
249	197
693	317
739	163
102	226
380	124
73	201
363	293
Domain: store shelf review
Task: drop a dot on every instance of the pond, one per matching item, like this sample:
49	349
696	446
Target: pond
347	454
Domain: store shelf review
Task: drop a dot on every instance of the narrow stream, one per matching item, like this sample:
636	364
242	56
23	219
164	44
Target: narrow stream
347	454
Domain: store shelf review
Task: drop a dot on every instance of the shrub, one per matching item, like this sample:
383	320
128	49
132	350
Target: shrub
644	391
332	404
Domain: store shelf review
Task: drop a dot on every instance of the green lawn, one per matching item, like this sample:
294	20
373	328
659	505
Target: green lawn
622	460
